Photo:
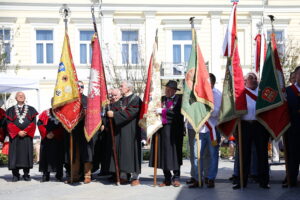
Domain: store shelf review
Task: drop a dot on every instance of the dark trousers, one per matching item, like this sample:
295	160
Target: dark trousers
16	173
254	132
292	142
168	175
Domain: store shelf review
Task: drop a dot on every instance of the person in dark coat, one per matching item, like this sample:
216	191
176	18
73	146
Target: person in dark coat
170	136
21	125
125	114
52	149
82	150
103	147
292	136
2	124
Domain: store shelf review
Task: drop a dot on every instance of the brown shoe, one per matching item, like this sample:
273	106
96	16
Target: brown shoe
165	183
135	182
176	183
123	181
87	180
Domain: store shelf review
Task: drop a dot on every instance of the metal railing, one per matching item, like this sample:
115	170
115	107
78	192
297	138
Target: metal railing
170	70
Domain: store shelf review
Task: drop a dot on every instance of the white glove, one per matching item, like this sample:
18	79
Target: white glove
158	110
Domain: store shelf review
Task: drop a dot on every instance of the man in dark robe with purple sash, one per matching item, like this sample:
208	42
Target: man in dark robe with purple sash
21	125
170	136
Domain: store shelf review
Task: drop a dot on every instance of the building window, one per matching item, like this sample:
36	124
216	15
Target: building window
44	46
85	47
129	48
279	35
5	38
181	48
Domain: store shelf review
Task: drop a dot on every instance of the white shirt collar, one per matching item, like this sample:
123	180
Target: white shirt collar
255	91
297	86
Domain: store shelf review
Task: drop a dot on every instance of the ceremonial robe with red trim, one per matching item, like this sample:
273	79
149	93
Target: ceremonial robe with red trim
21	148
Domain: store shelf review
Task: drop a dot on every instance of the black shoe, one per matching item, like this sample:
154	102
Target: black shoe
191	181
286	185
59	177
103	173
210	183
15	178
194	185
254	178
45	178
26	178
206	180
232	178
264	186
238	186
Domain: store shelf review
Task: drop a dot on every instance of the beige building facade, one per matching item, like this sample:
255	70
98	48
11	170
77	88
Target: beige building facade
34	31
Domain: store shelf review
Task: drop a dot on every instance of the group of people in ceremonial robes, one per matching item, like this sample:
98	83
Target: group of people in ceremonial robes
116	148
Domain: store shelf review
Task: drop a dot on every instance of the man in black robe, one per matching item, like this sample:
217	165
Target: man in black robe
21	125
52	147
292	136
103	146
125	115
170	136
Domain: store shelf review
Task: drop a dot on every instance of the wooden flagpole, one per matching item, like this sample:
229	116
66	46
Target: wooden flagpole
71	158
241	154
65	12
155	158
198	159
114	149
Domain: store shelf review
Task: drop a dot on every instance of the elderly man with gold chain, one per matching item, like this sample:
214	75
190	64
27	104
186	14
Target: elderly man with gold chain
21	125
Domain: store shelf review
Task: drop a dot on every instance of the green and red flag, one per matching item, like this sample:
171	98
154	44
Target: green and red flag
198	101
271	103
97	95
234	102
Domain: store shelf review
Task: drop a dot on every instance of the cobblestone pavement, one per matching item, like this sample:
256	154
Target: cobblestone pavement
101	188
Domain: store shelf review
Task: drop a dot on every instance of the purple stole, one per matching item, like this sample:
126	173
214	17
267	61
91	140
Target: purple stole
167	105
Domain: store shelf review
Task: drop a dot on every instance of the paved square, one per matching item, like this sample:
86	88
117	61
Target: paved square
101	188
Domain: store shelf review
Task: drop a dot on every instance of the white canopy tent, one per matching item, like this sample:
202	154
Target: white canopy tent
9	83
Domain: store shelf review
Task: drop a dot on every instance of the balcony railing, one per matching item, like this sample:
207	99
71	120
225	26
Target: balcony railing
170	70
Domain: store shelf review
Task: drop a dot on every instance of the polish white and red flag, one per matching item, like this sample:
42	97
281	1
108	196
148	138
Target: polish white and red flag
231	34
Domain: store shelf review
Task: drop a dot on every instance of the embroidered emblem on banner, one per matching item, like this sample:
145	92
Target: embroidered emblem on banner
269	94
